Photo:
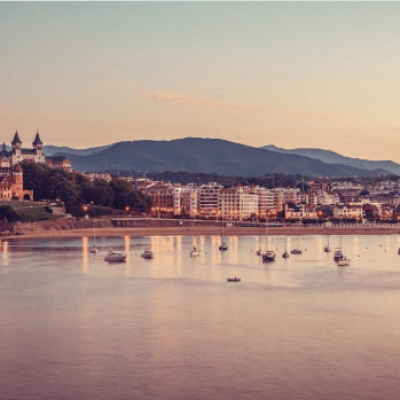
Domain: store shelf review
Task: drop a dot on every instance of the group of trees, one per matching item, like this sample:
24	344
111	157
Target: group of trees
75	189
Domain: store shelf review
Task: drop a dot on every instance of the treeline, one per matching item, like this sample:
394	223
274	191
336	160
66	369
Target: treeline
74	189
268	181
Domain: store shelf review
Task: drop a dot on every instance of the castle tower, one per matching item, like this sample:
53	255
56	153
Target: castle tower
37	143
38	146
16	143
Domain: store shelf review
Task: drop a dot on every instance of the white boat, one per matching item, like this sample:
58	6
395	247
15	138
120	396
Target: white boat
338	254
269	256
93	249
118	256
224	245
327	249
147	254
344	262
259	240
194	252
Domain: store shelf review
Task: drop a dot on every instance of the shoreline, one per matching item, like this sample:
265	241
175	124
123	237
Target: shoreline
204	231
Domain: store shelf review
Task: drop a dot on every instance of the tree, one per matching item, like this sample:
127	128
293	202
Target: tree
364	193
9	213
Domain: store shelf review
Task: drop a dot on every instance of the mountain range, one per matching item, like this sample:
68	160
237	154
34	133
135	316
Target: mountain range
202	155
330	157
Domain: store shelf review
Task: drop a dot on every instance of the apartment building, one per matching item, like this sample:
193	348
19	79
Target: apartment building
238	203
208	200
165	198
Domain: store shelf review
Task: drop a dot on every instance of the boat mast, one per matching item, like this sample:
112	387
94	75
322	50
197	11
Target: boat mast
222	228
94	235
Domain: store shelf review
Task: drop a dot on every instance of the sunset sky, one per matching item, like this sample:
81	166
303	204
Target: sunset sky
292	74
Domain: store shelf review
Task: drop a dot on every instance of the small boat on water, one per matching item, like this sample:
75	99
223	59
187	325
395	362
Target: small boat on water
194	252
234	279
343	262
338	254
93	249
269	256
223	246
285	254
147	254
398	251
115	256
327	249
296	251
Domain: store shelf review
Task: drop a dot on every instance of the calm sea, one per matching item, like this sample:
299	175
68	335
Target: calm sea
73	326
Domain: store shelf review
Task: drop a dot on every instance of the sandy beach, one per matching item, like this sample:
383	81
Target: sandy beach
197	231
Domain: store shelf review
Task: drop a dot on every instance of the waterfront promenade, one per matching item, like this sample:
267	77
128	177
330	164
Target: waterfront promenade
155	227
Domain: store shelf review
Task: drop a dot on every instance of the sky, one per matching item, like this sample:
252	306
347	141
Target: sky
293	74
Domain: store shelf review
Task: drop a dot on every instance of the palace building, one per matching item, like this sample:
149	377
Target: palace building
17	154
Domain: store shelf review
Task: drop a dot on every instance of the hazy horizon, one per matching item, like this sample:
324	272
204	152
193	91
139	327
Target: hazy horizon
296	75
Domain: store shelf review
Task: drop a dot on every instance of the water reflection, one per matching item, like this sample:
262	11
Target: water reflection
4	250
85	262
152	320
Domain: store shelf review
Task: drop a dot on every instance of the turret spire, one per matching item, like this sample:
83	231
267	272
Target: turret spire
16	138
37	139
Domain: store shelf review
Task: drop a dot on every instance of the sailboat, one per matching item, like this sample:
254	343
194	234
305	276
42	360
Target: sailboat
259	241
338	256
93	249
297	250
269	256
223	246
327	249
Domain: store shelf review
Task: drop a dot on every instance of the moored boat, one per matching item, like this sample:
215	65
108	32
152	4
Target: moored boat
194	252
338	254
223	246
93	249
117	256
147	254
234	279
296	251
343	262
269	256
327	249
285	254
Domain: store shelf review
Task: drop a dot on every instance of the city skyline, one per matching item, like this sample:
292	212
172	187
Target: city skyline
291	74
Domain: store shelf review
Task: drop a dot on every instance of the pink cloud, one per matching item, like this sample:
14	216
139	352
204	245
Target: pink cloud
178	99
174	98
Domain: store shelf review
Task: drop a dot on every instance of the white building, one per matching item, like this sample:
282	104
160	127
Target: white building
238	203
208	199
353	211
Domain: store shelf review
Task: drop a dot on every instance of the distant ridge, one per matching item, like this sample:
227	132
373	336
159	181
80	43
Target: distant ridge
50	150
330	157
203	155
